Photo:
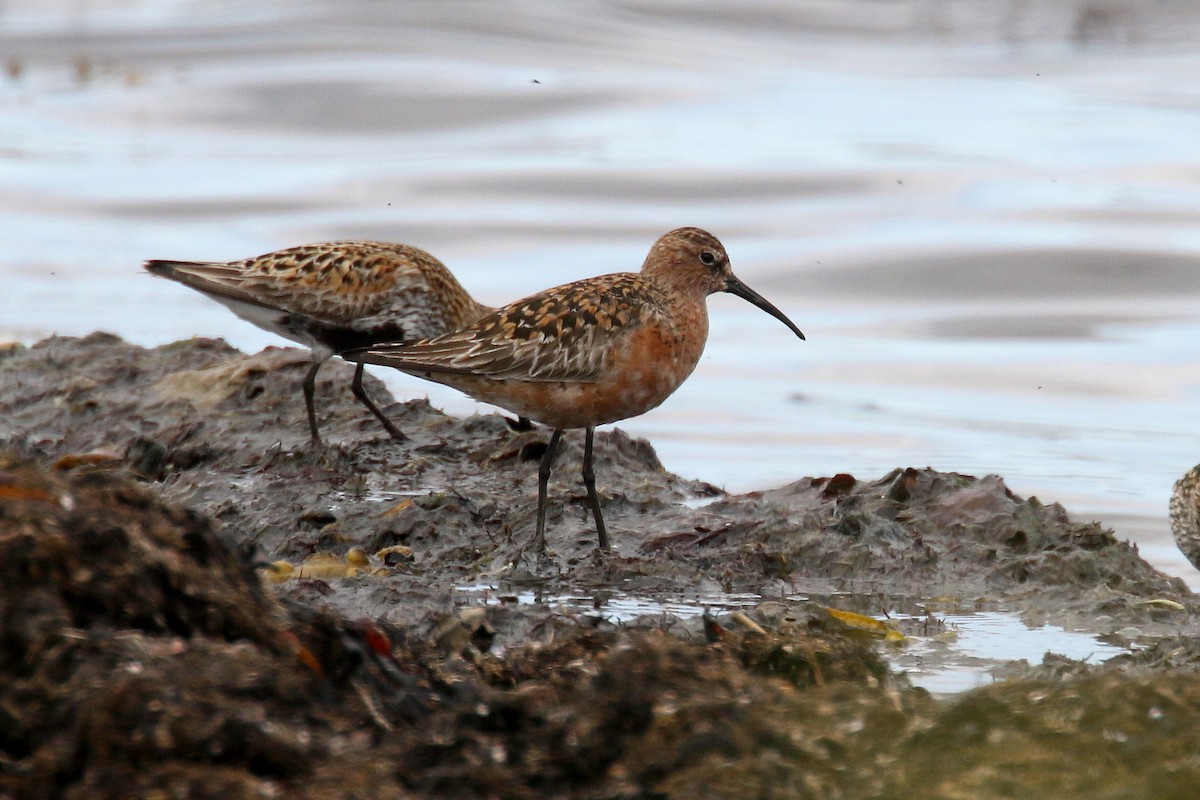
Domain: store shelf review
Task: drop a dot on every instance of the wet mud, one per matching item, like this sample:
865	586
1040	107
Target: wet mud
195	602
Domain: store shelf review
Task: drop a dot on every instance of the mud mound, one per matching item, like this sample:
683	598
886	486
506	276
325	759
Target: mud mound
453	505
927	533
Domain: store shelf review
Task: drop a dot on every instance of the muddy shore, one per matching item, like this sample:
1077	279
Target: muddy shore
196	602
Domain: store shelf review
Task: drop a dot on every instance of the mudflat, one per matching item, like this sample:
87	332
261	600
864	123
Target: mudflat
196	602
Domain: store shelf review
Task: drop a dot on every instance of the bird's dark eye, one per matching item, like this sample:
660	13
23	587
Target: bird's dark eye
708	258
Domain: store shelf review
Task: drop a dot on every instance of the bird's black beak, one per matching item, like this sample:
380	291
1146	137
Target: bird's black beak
735	286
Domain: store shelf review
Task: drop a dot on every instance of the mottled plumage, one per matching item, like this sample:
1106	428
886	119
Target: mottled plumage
586	353
1185	515
334	296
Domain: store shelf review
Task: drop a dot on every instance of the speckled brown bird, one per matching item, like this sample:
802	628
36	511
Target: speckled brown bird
586	353
1185	515
334	296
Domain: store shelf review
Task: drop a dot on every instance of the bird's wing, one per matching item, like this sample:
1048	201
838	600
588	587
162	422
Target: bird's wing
562	334
331	282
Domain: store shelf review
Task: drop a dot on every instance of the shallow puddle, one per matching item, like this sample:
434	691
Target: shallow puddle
970	646
943	653
616	607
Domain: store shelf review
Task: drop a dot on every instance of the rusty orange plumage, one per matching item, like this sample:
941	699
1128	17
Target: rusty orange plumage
333	296
586	353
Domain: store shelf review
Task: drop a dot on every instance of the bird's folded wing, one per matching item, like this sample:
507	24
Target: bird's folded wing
563	334
317	283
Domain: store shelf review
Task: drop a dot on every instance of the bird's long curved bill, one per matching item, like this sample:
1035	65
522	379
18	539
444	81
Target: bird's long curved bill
735	286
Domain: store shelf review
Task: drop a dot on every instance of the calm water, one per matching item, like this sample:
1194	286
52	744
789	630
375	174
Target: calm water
983	214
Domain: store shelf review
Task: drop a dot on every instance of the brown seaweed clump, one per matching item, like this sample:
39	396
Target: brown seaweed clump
139	654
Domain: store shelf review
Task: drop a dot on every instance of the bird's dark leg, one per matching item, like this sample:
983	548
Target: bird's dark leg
357	388
310	387
539	540
589	480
